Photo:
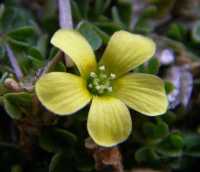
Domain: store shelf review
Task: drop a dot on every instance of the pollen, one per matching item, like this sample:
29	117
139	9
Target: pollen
102	68
99	82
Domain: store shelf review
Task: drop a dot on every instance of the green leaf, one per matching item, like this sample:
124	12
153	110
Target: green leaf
16	168
76	13
155	132
116	17
3	90
169	87
177	31
2	52
71	159
90	34
153	66
61	162
55	139
31	51
171	146
60	67
21	33
146	154
10	155
192	145
104	36
144	26
148	129
196	32
17	105
150	11
84	7
125	12
109	27
28	57
162	129
42	44
13	18
18	44
169	117
101	6
83	161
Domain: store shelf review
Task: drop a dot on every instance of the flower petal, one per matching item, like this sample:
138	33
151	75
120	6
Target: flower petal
109	121
143	92
77	48
62	93
125	51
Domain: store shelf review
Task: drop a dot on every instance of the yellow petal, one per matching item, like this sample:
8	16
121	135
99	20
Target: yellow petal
62	93
109	121
125	51
142	92
77	48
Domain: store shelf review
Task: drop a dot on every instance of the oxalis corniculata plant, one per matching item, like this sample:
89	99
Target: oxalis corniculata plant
109	84
95	103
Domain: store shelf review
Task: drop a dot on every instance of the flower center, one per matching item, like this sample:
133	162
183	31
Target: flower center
99	82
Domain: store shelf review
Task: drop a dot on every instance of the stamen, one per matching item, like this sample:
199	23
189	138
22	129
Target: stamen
109	89
100	83
90	85
112	76
98	87
93	75
102	68
96	81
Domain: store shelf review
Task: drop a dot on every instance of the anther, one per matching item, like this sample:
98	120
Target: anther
100	83
98	87
93	75
90	86
109	89
112	76
102	68
96	81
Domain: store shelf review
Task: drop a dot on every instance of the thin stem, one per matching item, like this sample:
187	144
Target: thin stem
53	62
65	17
14	63
65	21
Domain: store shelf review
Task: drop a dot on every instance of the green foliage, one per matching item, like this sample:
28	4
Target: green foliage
55	139
177	32
153	66
9	157
196	32
169	87
90	34
171	146
192	145
145	154
17	105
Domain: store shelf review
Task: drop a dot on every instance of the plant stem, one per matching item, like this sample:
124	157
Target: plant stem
65	17
53	62
65	21
13	62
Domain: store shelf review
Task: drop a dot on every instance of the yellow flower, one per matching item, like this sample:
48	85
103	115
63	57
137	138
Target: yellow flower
109	85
